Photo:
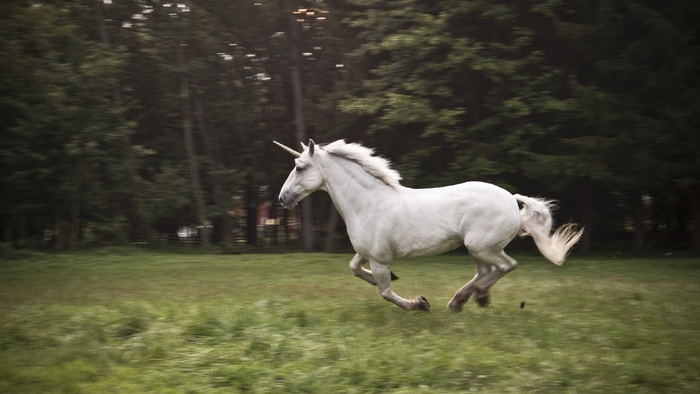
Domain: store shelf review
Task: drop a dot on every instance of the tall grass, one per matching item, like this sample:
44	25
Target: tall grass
127	321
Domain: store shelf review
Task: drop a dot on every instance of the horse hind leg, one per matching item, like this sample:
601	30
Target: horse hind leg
498	264
382	275
482	296
462	295
490	267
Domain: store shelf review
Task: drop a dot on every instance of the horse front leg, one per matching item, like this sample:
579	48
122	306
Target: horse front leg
382	275
360	271
363	273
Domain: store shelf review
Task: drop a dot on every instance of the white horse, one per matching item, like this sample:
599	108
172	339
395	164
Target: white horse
386	221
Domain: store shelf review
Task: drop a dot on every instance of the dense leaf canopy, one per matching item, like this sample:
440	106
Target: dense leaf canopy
123	118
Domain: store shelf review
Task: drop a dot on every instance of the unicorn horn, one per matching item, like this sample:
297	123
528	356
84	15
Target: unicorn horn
288	149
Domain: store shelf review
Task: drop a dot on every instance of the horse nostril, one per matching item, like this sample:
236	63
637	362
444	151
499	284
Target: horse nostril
286	200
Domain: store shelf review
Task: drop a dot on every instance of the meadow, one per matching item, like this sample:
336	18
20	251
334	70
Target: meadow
133	320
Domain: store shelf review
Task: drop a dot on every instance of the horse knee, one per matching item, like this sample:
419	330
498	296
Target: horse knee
387	294
498	260
510	267
356	262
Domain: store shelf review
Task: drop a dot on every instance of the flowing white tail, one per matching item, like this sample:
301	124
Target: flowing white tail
536	216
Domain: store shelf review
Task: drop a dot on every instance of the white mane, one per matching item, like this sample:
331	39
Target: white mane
376	166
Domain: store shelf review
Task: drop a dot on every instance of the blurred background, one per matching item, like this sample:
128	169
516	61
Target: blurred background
151	121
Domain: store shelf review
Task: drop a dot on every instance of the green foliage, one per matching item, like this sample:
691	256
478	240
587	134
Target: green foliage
543	97
482	98
135	321
552	95
112	231
69	149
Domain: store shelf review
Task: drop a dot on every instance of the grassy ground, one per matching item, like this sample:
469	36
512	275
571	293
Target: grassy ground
127	321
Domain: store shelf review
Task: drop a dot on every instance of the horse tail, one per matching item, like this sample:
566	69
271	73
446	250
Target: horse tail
536	221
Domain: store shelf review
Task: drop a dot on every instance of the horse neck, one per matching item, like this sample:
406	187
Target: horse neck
350	186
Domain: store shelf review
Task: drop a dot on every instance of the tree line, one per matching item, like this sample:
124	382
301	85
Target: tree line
125	118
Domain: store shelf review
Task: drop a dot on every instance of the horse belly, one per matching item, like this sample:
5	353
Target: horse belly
474	214
392	237
432	231
426	245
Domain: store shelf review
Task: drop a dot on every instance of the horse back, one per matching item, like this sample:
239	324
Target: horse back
431	221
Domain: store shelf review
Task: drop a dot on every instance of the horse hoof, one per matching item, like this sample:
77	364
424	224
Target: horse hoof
483	299
422	304
455	308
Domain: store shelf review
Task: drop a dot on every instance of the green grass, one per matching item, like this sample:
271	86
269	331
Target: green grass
126	321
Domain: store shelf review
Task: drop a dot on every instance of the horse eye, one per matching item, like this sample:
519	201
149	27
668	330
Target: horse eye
299	169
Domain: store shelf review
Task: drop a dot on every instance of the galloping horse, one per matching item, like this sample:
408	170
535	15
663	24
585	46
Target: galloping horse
386	221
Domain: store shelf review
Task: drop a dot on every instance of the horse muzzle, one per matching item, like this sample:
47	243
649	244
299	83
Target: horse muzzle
288	200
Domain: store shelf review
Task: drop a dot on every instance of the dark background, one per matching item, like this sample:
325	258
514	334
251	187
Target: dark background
128	120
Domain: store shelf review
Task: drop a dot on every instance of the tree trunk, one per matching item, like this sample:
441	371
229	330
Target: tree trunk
639	236
74	232
214	155
104	37
189	140
251	203
585	244
74	223
295	60
99	18
695	209
57	235
134	212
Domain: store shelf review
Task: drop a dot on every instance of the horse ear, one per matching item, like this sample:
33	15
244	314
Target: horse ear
311	147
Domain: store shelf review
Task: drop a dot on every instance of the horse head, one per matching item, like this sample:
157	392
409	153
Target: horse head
304	179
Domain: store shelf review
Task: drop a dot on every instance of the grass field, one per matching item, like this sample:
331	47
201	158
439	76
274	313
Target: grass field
129	320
